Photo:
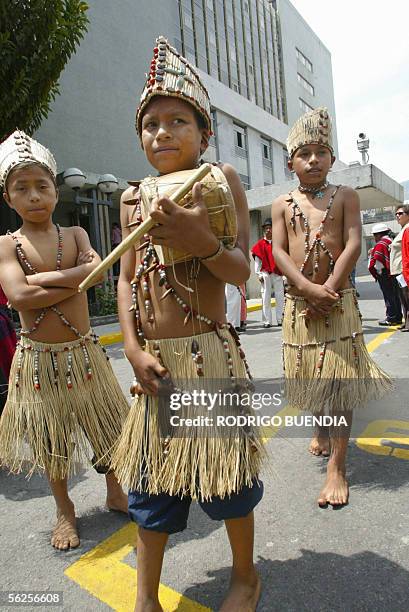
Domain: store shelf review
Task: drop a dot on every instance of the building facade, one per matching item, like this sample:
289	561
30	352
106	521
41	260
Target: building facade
261	62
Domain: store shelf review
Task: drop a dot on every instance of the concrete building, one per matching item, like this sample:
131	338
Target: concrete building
261	62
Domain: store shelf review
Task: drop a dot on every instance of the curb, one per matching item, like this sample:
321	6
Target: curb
117	337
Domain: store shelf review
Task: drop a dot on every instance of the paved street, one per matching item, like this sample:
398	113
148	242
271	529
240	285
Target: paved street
354	558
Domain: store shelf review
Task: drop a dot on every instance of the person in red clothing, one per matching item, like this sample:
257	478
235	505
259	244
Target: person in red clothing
379	267
405	242
8	342
269	276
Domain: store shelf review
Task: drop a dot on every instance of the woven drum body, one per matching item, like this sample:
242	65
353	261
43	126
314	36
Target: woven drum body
217	197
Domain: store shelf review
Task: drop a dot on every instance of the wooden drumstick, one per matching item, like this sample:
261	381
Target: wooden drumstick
142	229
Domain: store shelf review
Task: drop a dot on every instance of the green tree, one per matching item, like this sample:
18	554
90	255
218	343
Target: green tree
37	38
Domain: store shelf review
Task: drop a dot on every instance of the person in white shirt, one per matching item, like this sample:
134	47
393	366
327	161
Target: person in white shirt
269	276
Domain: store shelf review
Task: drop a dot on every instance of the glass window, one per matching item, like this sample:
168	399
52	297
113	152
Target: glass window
304	60
266	149
304	106
307	86
245	181
288	173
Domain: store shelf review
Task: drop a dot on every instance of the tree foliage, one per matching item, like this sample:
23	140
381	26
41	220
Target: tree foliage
37	38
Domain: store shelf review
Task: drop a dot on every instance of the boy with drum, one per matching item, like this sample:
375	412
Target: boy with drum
173	321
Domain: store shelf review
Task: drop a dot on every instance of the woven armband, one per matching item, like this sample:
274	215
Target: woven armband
216	255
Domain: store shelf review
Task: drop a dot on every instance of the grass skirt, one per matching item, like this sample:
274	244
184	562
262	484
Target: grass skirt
64	406
326	363
189	463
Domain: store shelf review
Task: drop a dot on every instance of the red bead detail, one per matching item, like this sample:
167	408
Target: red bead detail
65	348
69	385
156	50
186	308
89	376
318	235
37	386
152	81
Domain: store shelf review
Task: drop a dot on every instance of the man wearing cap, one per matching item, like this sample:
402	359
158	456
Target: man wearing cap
269	276
379	267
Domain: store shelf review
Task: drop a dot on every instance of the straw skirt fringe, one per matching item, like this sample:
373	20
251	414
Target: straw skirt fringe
64	406
326	363
191	463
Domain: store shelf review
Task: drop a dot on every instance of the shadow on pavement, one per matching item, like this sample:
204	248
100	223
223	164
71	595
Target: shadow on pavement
368	471
17	487
323	582
97	524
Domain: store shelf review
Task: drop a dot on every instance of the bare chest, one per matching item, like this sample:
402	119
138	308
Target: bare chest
42	254
308	221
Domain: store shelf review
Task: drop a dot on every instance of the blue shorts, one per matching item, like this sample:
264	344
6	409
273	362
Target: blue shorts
169	513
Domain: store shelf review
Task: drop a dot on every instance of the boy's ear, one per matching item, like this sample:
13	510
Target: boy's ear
204	143
333	158
290	164
7	199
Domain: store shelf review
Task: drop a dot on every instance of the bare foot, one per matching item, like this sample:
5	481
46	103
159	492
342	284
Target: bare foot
65	533
335	490
320	444
118	502
242	595
148	605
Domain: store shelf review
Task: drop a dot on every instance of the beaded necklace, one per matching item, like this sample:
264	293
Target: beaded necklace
150	263
316	192
314	247
26	346
23	258
317	244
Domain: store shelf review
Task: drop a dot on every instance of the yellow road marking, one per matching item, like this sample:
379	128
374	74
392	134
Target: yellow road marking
117	337
114	338
377	341
104	573
374	439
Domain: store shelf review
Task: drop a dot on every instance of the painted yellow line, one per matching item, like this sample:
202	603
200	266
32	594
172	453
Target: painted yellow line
373	344
117	337
254	307
105	574
379	438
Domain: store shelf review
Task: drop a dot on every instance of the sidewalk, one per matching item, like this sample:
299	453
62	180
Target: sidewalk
111	333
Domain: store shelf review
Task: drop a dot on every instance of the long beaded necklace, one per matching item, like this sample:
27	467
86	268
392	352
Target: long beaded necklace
317	244
92	337
150	263
23	258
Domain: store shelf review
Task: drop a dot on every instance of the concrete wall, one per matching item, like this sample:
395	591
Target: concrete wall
91	125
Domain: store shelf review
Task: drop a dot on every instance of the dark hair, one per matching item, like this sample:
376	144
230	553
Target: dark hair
29	164
404	207
201	122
